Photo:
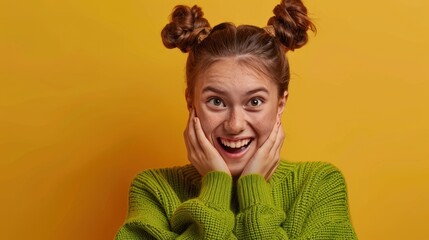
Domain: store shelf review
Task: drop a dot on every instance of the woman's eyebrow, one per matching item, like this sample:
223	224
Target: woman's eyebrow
219	91
212	89
261	89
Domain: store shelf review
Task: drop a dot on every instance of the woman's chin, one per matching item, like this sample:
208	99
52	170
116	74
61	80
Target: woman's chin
237	160
236	172
236	166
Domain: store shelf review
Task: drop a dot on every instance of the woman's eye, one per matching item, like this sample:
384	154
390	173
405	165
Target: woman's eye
217	102
254	102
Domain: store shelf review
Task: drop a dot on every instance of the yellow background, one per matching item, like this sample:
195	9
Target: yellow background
89	97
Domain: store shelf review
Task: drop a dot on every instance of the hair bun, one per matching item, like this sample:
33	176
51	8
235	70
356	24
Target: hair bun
291	23
187	28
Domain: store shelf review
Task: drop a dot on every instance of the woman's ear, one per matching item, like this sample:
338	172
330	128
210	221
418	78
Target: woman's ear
188	99
282	103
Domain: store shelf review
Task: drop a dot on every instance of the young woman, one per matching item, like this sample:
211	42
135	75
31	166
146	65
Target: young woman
236	187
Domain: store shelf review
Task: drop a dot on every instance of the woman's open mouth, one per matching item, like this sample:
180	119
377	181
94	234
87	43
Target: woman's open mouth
234	146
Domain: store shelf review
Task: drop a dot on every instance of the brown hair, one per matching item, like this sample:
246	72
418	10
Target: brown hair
263	49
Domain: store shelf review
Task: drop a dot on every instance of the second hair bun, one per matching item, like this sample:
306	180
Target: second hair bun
185	28
291	23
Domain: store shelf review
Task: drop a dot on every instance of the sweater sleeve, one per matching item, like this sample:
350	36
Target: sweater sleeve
327	212
258	218
155	211
320	210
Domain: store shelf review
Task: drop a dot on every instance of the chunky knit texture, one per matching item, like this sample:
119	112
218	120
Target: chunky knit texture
301	201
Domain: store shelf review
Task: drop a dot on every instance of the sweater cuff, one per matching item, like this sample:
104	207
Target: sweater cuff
216	189
252	190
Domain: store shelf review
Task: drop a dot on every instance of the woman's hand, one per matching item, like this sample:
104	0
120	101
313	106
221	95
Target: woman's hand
267	157
201	152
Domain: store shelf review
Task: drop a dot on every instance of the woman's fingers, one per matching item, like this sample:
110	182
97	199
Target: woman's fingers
273	138
206	146
278	142
267	149
201	153
275	150
192	134
272	170
266	159
212	157
194	150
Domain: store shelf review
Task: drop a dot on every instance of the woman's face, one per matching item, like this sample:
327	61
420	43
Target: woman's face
238	108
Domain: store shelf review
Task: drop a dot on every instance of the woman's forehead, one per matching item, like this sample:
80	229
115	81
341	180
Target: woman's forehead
231	68
229	76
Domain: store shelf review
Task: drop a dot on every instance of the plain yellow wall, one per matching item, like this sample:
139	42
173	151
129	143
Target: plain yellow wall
89	97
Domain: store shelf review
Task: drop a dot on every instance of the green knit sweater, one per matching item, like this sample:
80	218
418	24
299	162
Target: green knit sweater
301	201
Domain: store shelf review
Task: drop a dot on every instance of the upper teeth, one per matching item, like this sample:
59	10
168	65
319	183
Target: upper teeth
235	144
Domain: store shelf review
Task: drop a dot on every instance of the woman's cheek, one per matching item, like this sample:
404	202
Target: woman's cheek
263	126
265	132
207	123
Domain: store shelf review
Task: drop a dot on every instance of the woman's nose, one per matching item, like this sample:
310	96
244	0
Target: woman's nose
235	123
